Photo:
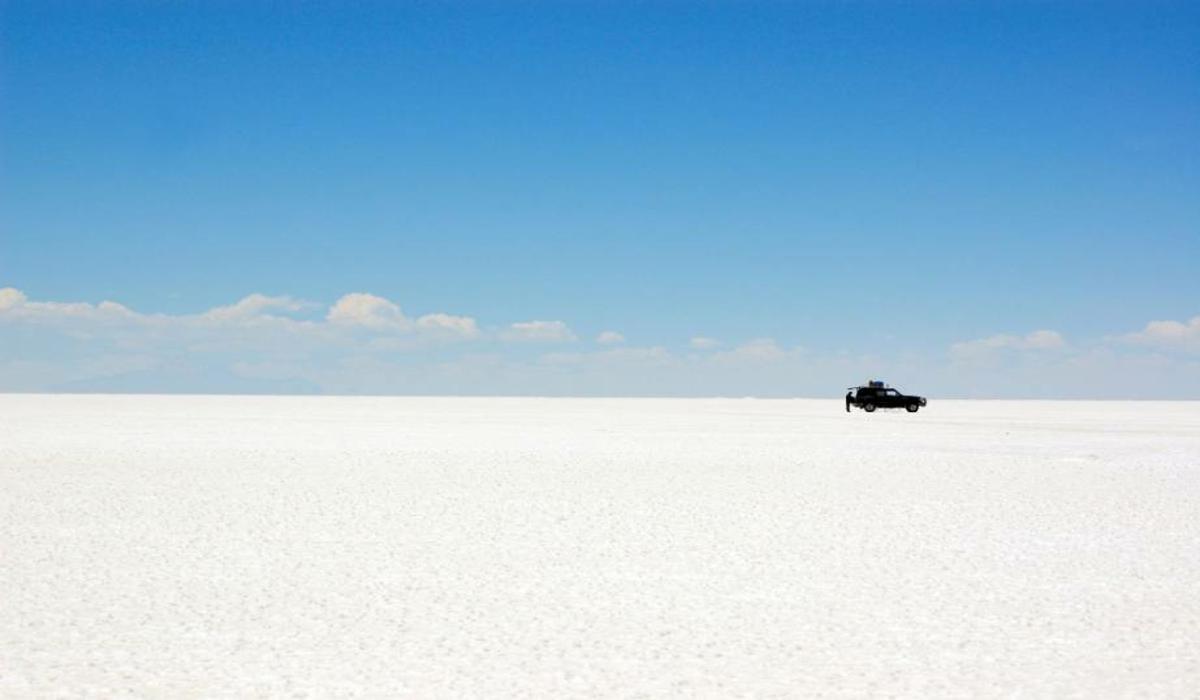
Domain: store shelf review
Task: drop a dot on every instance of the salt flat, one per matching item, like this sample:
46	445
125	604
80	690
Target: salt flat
220	546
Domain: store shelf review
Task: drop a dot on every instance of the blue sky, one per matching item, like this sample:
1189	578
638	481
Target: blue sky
867	187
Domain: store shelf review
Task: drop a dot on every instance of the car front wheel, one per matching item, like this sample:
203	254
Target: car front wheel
912	408
868	407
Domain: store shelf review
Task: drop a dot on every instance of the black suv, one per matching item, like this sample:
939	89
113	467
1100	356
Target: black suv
878	395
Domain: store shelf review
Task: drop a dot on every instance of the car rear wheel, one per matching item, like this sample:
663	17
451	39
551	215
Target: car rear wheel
912	408
868	407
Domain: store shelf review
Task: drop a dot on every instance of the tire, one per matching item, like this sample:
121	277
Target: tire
869	407
912	408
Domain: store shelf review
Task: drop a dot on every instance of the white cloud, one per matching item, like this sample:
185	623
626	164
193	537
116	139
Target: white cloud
1043	340
112	308
757	350
252	306
610	338
538	332
461	326
379	314
1168	334
368	311
254	311
984	347
10	298
14	304
257	344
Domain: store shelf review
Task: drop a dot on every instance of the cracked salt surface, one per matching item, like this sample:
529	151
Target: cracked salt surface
240	546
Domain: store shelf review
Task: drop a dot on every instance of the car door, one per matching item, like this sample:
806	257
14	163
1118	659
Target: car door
889	398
